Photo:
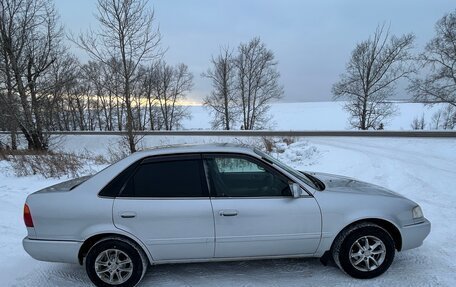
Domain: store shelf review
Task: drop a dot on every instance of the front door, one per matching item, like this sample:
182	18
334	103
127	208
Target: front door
254	211
165	204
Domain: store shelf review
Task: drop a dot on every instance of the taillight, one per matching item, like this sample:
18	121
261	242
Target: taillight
27	216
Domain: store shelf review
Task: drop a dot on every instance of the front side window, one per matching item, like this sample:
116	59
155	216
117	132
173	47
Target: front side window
176	178
237	176
236	165
302	176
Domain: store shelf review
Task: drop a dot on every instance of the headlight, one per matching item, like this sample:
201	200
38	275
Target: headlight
417	212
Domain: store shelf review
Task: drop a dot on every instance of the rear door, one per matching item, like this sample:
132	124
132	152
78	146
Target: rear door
254	211
165	204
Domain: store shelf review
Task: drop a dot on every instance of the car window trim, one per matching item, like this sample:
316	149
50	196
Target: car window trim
260	197
205	180
171	157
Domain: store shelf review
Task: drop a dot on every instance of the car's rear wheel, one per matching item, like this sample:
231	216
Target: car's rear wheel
115	262
364	250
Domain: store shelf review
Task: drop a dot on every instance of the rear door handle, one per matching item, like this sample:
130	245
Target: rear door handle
228	212
128	214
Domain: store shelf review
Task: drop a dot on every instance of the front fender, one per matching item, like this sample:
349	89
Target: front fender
341	210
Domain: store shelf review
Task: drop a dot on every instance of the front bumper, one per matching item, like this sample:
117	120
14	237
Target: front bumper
52	251
414	235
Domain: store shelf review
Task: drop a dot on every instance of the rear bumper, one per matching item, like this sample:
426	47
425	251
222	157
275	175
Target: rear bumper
414	235
52	251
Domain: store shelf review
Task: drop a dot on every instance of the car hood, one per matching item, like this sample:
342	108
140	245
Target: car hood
337	183
65	186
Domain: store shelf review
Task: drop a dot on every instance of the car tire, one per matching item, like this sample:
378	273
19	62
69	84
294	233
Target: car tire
364	250
115	262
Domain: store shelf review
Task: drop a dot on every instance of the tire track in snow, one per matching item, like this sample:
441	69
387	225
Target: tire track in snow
405	156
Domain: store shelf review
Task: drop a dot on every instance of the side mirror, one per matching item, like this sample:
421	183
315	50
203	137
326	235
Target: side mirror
296	190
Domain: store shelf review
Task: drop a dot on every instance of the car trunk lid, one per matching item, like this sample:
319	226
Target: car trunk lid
65	186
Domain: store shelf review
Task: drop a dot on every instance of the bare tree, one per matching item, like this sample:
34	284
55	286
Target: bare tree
92	75
126	33
30	39
257	83
418	123
113	83
439	59
170	85
149	85
61	78
444	118
221	101
449	116
8	100
371	74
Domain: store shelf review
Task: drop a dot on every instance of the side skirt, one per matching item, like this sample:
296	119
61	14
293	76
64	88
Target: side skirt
223	259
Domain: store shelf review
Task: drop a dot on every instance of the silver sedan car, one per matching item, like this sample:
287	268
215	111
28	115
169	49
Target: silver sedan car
214	203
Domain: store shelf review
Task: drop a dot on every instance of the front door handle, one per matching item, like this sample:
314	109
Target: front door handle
128	214
228	212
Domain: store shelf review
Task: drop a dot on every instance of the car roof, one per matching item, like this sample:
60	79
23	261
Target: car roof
198	148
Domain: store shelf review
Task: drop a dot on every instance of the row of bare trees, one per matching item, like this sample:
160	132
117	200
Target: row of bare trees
442	119
125	86
92	98
378	63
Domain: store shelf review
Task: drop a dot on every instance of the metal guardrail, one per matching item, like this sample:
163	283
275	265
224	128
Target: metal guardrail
268	133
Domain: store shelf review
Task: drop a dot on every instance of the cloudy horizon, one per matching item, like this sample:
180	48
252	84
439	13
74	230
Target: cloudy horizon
312	41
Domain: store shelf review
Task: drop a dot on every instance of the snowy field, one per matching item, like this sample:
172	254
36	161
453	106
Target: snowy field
319	116
422	169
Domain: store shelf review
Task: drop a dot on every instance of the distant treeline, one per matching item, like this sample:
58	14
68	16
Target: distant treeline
127	85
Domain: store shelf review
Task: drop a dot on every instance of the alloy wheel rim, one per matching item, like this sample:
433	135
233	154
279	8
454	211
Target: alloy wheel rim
113	266
367	253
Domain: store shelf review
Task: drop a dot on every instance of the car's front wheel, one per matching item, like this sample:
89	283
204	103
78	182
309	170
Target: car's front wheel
364	251
115	262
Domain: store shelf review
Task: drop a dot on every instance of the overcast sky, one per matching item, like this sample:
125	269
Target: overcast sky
312	40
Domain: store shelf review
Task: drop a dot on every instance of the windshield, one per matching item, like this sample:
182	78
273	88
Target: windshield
300	175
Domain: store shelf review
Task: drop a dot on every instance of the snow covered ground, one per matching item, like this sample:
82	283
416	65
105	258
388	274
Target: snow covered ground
421	169
319	116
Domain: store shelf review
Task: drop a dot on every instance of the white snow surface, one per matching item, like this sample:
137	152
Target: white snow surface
422	169
321	116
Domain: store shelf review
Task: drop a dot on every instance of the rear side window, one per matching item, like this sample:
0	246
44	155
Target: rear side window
177	178
115	186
